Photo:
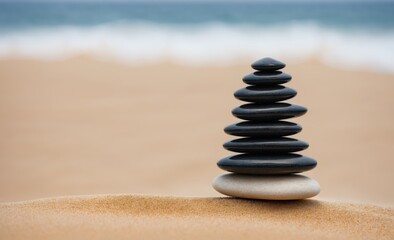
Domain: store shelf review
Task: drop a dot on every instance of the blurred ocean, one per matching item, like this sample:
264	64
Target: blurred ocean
353	34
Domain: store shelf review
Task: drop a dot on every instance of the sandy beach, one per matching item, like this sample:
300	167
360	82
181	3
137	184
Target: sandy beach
147	217
87	127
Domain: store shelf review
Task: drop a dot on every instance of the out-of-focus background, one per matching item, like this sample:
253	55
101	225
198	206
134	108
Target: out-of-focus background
131	97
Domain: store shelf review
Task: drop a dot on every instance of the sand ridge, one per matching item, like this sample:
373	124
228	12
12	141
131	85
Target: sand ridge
124	216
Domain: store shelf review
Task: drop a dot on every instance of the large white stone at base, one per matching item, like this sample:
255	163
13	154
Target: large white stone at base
277	187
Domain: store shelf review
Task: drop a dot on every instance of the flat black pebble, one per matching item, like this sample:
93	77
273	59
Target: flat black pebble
265	145
267	164
266	78
263	129
268	64
268	94
268	112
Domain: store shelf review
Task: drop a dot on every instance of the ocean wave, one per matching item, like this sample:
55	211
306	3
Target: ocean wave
204	44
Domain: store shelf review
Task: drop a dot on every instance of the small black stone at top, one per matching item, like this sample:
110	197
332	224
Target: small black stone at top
268	64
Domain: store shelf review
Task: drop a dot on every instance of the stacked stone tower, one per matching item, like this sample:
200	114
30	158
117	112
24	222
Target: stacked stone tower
267	165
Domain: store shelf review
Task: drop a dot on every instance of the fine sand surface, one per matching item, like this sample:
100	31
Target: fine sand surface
147	217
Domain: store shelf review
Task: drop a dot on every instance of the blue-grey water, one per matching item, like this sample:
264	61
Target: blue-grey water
351	33
345	15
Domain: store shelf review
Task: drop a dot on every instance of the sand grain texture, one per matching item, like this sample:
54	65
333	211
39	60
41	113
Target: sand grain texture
151	217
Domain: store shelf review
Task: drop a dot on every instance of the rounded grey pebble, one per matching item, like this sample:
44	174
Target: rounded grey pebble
271	187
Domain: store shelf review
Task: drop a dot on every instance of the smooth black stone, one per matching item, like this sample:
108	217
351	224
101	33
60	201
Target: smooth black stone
266	78
265	145
267	164
263	129
268	63
268	112
268	94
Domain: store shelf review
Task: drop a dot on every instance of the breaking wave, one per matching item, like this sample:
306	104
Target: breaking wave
202	44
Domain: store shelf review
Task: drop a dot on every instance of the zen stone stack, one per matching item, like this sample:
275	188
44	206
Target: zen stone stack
267	165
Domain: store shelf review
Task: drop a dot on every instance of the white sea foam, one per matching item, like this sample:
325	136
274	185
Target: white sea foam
213	43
